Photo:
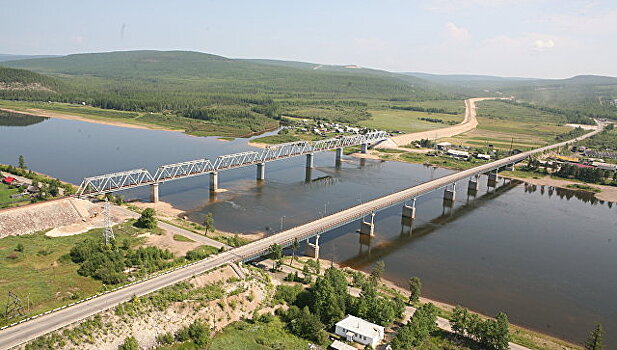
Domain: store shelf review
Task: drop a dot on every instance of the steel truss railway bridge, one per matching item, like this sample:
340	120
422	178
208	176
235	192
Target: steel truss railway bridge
41	324
108	183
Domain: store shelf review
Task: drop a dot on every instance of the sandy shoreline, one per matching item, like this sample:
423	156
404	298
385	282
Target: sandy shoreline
609	193
48	114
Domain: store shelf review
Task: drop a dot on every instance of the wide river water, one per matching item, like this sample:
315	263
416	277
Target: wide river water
547	257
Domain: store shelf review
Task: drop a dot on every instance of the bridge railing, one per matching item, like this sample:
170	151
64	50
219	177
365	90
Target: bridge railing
91	186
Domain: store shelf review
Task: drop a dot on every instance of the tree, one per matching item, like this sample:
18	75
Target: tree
378	271
209	223
594	342
22	162
294	246
198	332
415	289
276	253
501	332
147	219
460	320
130	343
330	296
20	247
306	325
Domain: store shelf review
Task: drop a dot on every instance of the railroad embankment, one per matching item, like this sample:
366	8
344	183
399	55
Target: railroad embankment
45	215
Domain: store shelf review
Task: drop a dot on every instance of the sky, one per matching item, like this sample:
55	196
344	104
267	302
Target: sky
523	38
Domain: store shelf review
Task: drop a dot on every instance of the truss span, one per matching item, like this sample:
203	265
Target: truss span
92	186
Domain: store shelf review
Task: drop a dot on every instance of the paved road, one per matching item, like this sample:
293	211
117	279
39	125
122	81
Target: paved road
23	332
469	123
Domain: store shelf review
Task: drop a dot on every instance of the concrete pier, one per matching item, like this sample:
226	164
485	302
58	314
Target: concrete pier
473	184
312	249
154	195
214	181
308	175
309	160
409	211
364	148
368	228
339	155
492	179
261	171
450	194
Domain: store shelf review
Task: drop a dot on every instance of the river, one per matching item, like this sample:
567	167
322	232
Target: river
547	257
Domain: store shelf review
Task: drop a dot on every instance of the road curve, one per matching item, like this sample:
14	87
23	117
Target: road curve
469	123
38	326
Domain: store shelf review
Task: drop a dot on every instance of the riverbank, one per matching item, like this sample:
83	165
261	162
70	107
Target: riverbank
607	193
521	336
104	121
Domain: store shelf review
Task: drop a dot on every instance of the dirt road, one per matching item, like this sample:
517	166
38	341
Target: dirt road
470	122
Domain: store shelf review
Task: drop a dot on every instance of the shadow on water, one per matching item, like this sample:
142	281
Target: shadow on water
409	234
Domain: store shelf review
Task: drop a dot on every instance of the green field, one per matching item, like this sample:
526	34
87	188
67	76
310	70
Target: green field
5	196
42	275
407	121
257	336
506	125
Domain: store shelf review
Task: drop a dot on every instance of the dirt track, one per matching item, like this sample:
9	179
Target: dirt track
470	122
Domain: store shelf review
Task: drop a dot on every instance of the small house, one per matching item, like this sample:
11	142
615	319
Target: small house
360	331
444	146
10	180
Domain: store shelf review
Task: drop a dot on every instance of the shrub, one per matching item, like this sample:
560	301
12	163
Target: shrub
130	343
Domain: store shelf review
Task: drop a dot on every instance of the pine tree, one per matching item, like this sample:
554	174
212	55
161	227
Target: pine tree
594	342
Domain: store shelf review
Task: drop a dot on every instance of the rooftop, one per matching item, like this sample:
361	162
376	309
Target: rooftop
360	326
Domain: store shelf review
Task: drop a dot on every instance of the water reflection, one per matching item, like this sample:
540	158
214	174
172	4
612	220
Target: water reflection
18	119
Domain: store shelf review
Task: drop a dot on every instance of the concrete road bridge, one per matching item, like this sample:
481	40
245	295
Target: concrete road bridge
108	183
36	326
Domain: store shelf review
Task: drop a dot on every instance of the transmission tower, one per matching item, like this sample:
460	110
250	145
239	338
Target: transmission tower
13	307
108	233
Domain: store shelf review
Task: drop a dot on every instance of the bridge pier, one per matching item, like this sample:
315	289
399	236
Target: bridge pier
368	228
154	194
309	160
261	171
214	181
308	175
339	155
492	179
409	211
450	194
364	148
312	250
473	184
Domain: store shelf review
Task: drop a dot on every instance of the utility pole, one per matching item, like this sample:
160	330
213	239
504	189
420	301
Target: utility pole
108	233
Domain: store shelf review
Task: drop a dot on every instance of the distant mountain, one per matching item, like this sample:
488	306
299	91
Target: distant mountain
462	78
212	73
8	57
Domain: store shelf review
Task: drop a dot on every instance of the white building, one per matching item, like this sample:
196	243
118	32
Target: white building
605	166
458	154
360	331
444	145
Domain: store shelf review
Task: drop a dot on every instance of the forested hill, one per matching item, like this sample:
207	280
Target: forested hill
593	95
181	70
21	83
232	94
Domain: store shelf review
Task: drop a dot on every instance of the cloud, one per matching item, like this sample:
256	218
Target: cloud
543	44
457	33
457	5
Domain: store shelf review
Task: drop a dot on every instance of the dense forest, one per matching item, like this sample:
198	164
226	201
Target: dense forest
206	87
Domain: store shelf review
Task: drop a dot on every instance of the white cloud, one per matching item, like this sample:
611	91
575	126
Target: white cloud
457	33
456	5
543	44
